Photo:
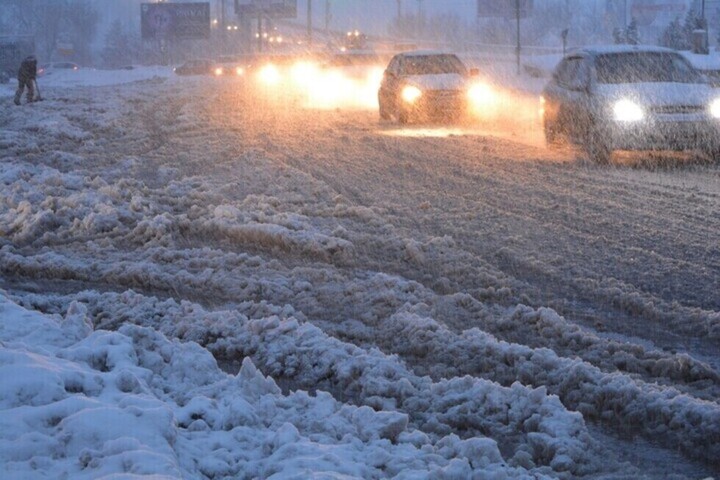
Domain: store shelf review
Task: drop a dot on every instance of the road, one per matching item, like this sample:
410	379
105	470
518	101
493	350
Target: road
233	194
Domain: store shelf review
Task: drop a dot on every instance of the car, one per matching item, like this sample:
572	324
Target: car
49	68
426	84
629	97
233	65
199	67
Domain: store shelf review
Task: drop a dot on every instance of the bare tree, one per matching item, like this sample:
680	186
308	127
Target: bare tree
53	21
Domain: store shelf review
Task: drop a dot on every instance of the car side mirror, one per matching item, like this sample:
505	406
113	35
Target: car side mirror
474	72
389	74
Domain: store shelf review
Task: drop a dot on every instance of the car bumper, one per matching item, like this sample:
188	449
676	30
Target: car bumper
439	106
696	134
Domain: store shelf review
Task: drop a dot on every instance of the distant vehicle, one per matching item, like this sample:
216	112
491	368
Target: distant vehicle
234	65
353	58
199	67
424	84
49	68
631	98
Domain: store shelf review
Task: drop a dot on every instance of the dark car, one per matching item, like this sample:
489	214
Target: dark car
49	68
233	65
199	67
627	97
422	85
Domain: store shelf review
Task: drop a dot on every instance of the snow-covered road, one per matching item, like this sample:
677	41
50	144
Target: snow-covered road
503	309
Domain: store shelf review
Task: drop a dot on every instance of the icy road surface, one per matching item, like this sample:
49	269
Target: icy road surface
475	305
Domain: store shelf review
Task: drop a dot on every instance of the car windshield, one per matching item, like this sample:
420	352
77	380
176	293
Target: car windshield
433	65
644	67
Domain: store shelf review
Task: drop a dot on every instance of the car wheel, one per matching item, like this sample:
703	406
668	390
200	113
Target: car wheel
596	146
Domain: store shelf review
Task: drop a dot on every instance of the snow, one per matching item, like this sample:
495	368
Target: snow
197	287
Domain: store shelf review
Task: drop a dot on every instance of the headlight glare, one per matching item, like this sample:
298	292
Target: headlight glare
481	94
715	108
411	94
269	75
627	111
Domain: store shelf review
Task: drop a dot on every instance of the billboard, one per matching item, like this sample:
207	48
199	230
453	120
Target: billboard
166	21
504	8
269	8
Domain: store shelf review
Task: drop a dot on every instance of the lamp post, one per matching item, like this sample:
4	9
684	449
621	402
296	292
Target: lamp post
309	23
419	18
517	46
328	17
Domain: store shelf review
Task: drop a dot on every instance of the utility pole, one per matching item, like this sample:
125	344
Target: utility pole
222	16
259	30
309	23
328	16
517	47
419	18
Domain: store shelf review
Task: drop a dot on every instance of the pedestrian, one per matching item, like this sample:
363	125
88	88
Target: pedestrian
27	76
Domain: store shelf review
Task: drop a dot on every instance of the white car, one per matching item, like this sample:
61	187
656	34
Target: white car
629	97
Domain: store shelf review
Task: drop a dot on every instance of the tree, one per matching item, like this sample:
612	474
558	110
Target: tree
691	23
632	36
119	47
81	24
674	36
629	34
53	21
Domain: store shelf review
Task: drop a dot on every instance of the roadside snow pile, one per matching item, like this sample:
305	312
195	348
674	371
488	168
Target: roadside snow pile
94	404
90	77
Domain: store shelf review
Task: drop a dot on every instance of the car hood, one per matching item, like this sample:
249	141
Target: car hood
660	94
445	81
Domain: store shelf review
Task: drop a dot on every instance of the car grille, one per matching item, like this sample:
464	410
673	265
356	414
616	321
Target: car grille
678	109
443	95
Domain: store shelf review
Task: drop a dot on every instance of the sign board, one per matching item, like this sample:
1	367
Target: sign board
163	21
504	8
269	8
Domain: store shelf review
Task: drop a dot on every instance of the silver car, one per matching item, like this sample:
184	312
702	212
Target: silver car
627	97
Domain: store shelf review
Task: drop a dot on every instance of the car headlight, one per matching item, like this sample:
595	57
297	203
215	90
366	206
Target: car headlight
481	94
715	108
218	71
411	94
269	75
240	71
627	111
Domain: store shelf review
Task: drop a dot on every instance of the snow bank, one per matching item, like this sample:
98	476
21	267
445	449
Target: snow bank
95	404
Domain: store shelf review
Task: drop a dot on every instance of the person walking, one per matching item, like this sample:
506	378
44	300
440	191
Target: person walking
27	76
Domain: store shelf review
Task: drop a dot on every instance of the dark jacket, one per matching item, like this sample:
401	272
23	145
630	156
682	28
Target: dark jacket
28	69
